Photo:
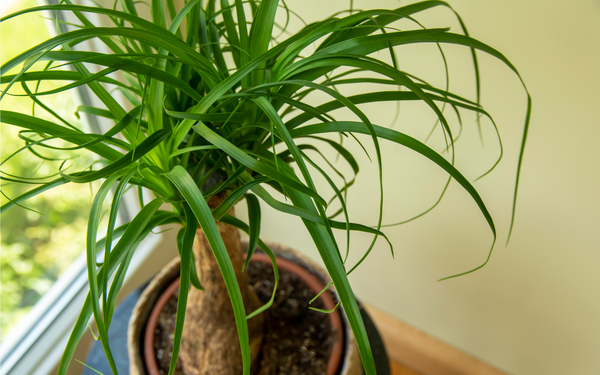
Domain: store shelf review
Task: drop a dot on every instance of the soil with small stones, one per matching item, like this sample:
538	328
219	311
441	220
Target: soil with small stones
297	340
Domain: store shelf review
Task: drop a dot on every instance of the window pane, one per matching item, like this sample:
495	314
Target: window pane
37	248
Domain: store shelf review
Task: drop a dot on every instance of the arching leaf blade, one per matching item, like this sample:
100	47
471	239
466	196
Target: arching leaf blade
252	163
194	198
146	220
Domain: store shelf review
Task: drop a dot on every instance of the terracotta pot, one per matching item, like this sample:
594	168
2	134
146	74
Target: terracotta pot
149	355
154	297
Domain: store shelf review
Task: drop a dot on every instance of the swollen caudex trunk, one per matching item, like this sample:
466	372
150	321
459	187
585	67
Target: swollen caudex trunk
210	343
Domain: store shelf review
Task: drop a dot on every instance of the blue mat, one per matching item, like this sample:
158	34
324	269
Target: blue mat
117	338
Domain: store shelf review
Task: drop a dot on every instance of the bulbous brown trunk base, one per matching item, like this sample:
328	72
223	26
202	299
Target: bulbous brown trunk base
210	343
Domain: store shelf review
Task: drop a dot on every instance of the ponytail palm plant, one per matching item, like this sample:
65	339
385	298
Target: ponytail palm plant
211	93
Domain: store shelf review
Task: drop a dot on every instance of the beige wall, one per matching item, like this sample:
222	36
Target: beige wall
535	308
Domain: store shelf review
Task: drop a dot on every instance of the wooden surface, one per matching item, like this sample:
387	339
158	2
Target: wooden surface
412	352
397	369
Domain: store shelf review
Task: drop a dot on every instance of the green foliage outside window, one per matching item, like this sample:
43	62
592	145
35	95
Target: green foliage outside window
36	248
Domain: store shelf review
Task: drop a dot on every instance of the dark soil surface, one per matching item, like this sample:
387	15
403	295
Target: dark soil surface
297	340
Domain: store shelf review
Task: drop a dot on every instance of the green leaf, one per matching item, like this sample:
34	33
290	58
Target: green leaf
328	252
407	141
96	371
262	27
141	150
225	85
158	13
342	202
372	21
192	195
92	230
57	75
32	193
232	35
260	34
231	220
47	127
233	198
99	112
254	225
191	149
187	263
161	39
244	41
108	304
209	117
181	237
254	164
123	64
342	151
143	223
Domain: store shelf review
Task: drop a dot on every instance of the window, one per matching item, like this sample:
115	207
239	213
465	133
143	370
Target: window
43	273
37	247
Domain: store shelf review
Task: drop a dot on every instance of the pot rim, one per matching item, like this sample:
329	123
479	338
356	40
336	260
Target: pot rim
311	281
149	357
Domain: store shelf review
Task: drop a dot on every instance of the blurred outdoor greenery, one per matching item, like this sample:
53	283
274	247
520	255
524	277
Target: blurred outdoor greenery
36	249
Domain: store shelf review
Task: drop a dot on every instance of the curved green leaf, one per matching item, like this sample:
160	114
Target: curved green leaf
124	161
146	220
231	220
254	164
254	225
407	141
184	183
186	265
47	127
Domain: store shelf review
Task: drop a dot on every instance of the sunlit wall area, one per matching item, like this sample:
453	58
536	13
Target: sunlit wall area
533	309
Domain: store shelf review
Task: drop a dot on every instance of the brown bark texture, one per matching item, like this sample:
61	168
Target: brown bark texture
210	343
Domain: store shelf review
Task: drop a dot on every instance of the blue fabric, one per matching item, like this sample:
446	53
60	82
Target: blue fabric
117	338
